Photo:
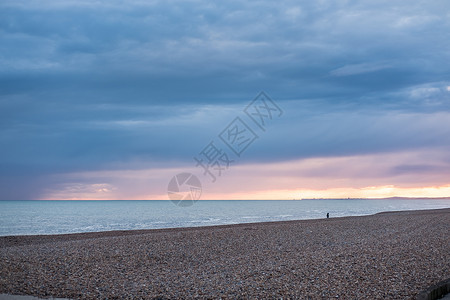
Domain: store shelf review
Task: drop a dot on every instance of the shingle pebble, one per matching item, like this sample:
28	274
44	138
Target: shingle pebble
384	256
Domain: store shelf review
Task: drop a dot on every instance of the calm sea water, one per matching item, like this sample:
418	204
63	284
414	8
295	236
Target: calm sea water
54	217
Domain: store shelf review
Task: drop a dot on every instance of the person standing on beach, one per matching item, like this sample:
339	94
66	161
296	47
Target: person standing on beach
328	215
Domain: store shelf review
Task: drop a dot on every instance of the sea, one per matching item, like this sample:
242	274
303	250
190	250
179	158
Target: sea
58	217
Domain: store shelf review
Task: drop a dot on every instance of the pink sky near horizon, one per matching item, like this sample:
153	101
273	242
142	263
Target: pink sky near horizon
420	173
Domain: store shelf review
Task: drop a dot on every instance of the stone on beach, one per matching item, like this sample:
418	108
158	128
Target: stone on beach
387	255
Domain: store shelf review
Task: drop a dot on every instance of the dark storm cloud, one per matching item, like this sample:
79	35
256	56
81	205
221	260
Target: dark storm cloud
421	169
92	85
199	50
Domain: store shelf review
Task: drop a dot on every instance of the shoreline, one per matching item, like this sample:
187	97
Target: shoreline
144	231
393	255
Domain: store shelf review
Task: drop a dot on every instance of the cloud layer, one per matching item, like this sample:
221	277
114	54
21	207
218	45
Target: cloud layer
145	85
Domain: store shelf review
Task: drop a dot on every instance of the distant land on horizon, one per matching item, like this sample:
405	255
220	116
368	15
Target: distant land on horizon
388	198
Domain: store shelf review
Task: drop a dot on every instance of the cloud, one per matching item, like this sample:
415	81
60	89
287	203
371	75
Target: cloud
358	69
88	86
172	136
370	175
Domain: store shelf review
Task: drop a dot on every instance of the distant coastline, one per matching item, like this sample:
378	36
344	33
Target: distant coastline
389	198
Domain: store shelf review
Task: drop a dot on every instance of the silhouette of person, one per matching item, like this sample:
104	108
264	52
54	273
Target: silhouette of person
328	215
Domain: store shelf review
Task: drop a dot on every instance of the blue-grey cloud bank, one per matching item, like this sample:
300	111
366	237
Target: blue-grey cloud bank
107	85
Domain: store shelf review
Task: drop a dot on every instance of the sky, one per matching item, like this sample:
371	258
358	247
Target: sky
112	99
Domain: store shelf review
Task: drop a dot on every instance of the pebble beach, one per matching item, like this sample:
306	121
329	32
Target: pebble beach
392	255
